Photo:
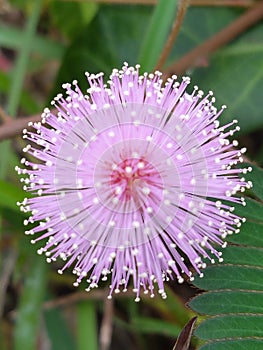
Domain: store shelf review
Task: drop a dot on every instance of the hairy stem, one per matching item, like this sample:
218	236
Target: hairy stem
182	8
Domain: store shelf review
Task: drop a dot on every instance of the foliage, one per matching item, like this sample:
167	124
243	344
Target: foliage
235	304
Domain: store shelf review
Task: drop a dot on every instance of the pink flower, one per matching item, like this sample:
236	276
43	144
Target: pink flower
130	180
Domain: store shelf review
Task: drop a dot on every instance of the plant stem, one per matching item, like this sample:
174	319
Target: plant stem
182	8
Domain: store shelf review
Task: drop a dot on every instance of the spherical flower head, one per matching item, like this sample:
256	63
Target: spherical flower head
130	180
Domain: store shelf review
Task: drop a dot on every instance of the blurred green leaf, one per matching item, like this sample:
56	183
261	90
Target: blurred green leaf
87	325
25	5
29	310
20	67
10	194
18	76
114	36
172	308
28	103
156	34
77	15
193	31
151	325
13	38
236	84
58	332
234	73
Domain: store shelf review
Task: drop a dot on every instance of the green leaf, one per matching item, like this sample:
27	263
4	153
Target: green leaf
251	234
18	76
156	34
112	38
241	344
29	311
235	288
234	73
230	326
242	277
235	82
13	38
193	32
10	194
151	325
19	71
252	210
256	177
28	104
87	325
226	302
173	308
58	331
13	222
83	14
249	256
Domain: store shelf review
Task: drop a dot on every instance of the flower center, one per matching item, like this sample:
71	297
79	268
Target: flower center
133	179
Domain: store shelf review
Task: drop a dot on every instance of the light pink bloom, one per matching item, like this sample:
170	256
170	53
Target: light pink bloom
130	180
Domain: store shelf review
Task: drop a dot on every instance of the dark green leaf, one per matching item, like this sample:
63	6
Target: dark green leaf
231	277
237	285
230	326
240	344
253	210
225	302
256	176
243	256
251	234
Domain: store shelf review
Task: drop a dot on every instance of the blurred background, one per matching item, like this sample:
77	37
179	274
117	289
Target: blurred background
44	43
